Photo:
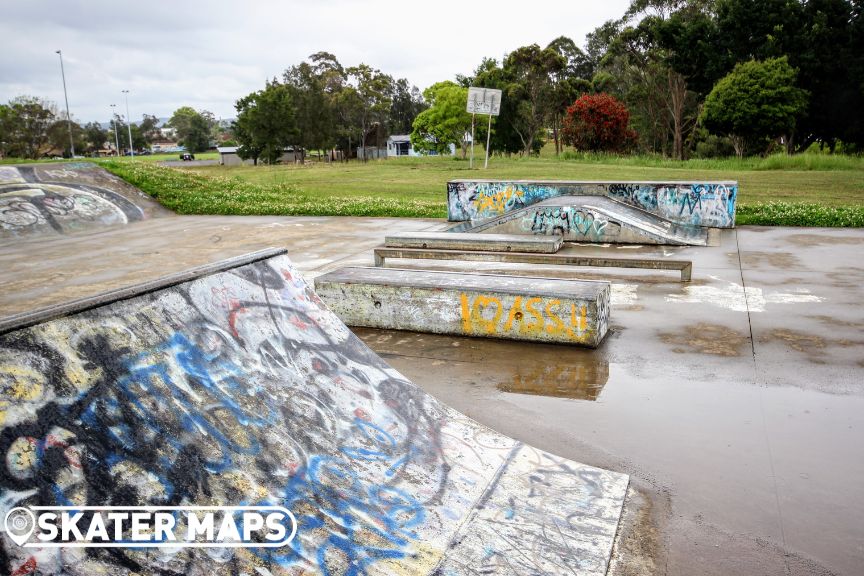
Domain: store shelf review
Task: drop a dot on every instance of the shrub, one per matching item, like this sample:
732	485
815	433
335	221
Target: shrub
598	123
800	214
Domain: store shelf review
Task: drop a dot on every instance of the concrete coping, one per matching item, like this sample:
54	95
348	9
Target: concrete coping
471	241
492	283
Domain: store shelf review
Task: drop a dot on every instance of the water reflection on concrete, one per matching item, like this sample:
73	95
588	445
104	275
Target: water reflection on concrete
508	366
580	380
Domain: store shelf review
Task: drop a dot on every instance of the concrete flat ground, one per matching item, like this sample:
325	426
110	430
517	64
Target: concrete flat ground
736	402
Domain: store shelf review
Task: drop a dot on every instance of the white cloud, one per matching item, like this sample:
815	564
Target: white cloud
208	54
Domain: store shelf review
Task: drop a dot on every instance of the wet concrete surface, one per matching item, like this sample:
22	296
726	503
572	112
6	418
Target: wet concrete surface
736	401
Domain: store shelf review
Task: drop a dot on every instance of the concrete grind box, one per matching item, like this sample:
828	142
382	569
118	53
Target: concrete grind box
515	308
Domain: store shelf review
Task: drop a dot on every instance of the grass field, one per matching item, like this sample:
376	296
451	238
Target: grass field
425	178
804	190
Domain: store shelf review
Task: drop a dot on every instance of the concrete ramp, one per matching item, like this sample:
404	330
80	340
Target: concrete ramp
232	384
50	199
591	219
694	203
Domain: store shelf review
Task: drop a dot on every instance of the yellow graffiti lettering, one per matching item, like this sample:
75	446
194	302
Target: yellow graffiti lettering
498	201
578	323
482	302
485	315
556	326
537	325
515	313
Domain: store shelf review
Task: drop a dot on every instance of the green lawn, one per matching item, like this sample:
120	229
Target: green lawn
425	178
803	190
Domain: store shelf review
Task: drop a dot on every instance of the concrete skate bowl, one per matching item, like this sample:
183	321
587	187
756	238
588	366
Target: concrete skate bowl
42	200
232	384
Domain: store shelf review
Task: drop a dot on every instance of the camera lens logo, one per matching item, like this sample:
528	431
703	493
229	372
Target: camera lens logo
20	523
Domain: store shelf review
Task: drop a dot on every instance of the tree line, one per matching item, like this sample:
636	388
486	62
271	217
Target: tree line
320	104
706	77
31	127
672	77
676	78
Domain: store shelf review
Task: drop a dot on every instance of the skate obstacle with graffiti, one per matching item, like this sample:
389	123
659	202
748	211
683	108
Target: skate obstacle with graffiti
626	212
464	304
232	384
65	198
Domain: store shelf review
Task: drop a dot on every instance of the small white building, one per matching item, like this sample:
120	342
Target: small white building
400	145
228	156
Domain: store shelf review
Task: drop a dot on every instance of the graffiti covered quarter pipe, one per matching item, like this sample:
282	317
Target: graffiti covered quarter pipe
41	200
233	385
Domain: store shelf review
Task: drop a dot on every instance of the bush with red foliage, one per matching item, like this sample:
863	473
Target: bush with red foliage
598	123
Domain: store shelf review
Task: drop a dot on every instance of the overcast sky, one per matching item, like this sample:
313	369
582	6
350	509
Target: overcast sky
209	54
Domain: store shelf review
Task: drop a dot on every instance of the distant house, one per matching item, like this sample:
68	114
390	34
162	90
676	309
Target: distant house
228	156
400	145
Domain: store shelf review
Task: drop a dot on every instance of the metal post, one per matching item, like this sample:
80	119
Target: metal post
114	121
66	97
471	162
129	124
488	137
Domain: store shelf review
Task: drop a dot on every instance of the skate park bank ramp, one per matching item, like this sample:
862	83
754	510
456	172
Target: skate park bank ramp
231	384
709	204
592	219
66	198
627	212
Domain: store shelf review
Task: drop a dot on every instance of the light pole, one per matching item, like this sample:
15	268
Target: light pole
114	122
129	123
66	97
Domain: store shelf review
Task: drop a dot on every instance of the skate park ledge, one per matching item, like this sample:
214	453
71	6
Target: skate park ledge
489	305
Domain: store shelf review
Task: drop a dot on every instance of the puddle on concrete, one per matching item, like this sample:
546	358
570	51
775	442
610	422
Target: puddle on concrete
507	366
706	339
701	425
581	380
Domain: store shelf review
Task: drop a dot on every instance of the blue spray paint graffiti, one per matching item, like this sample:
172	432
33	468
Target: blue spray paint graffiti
695	204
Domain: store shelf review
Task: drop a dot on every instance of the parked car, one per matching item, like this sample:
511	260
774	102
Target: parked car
187	157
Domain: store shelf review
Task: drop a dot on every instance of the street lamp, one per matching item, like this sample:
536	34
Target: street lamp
129	123
66	97
114	121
